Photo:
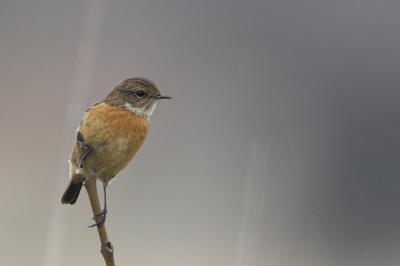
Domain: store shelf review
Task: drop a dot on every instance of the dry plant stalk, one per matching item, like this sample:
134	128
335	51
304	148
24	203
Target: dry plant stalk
107	249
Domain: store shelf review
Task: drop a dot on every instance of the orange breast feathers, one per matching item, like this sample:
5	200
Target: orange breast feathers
115	135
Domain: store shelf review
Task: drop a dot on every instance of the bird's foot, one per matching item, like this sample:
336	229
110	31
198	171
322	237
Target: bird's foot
102	220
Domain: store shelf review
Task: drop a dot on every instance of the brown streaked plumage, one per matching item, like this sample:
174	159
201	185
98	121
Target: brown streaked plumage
115	128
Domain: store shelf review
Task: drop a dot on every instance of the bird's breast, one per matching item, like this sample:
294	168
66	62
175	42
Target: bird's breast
115	135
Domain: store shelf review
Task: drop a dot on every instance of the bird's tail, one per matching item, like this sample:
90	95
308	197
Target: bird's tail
71	194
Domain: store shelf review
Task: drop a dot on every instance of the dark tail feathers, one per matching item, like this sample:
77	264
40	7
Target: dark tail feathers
71	194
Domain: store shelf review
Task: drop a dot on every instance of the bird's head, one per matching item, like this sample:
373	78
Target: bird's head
138	95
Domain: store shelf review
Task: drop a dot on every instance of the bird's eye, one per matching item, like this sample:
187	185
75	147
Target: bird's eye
140	94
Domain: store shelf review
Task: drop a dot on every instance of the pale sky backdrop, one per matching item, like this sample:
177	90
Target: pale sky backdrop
280	145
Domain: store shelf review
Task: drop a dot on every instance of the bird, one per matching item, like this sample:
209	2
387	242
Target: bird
112	130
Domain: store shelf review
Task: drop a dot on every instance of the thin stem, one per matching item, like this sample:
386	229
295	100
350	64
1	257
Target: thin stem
107	249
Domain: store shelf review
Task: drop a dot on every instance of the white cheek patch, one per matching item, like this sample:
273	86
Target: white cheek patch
135	110
149	111
141	111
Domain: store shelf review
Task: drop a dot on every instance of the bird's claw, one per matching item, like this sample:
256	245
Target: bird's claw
102	220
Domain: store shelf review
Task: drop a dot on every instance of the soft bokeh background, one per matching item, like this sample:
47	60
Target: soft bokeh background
280	146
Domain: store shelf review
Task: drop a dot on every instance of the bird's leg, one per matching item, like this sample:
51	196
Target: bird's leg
81	139
88	150
103	212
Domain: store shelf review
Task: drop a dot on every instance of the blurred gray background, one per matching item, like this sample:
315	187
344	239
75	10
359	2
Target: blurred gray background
280	146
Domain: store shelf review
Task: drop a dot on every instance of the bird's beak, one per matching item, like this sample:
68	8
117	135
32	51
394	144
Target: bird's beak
163	96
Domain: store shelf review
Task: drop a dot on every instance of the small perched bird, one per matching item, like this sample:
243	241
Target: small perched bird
113	130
